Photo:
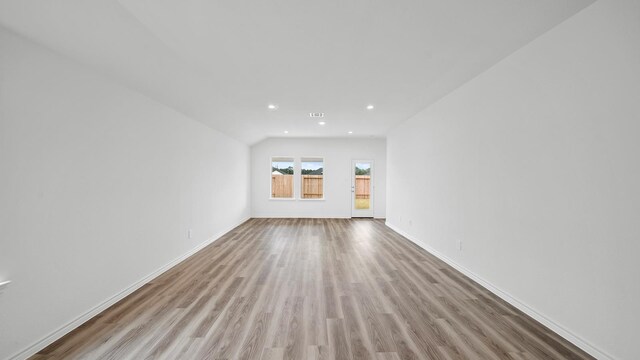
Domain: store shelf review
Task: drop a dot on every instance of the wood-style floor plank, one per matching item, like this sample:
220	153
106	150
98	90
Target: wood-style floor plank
312	289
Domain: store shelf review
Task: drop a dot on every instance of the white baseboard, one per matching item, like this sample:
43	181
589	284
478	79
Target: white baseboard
298	217
308	217
555	327
62	331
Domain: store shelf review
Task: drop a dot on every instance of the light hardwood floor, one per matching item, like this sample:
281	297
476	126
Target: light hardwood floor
312	289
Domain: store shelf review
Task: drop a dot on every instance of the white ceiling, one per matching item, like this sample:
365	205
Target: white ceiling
223	62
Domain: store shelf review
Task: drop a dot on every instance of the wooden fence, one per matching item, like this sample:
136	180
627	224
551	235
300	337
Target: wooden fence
312	186
363	187
281	186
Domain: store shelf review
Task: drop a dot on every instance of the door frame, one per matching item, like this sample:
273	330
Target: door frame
362	213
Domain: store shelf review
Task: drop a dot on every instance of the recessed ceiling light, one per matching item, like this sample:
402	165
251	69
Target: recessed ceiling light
350	132
286	131
369	107
272	107
321	123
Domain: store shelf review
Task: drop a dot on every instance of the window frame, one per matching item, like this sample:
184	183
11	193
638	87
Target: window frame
293	183
324	168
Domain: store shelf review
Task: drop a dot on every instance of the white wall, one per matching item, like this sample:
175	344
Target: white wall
534	167
98	186
338	154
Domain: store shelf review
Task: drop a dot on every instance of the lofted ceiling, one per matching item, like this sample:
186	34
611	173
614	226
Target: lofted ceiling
222	62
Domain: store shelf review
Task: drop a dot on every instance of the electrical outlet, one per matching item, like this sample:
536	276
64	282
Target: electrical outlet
189	234
410	222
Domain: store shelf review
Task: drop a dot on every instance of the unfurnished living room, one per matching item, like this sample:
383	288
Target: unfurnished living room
335	179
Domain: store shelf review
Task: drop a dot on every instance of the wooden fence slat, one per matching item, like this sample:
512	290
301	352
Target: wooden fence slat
363	187
281	186
312	186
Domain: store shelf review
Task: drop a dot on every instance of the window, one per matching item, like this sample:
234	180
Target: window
312	181
282	178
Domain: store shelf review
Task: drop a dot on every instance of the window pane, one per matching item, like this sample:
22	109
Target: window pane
312	184
282	178
363	186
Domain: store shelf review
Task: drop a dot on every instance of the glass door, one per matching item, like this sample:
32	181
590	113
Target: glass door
362	188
